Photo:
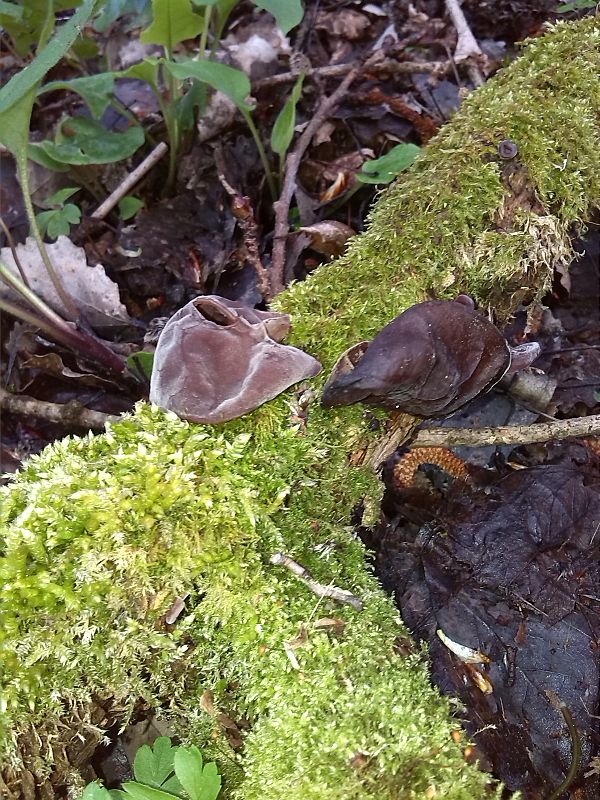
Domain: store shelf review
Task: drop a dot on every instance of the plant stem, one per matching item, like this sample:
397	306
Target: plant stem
56	327
66	299
204	37
30	296
262	153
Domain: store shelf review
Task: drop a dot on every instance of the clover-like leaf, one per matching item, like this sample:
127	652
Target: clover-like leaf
199	782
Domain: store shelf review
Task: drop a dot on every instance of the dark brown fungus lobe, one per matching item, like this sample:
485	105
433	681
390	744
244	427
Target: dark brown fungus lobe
430	361
508	149
217	359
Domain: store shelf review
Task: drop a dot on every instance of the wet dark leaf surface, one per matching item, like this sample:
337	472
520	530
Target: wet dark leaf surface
513	571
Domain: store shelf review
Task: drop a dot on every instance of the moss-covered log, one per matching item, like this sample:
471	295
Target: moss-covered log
100	534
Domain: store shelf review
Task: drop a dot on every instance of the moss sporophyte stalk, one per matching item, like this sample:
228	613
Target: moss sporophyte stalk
100	534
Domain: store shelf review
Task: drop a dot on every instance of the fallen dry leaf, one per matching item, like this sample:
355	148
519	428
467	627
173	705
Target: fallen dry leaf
95	295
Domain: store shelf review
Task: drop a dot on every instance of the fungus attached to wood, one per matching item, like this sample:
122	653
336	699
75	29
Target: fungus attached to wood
217	359
430	361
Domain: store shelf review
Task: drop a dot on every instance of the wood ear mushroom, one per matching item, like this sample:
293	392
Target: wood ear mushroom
430	361
217	359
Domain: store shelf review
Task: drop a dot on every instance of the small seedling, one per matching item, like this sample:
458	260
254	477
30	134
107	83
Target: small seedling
389	166
164	772
61	215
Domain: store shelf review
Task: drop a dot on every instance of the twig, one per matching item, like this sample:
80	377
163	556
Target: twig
320	589
68	414
292	164
13	250
508	434
242	210
337	70
466	46
129	182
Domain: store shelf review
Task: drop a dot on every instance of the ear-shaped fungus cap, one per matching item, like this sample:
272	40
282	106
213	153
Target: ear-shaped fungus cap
429	361
217	359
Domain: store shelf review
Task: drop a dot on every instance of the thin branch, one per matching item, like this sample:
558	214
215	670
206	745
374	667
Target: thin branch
13	250
337	70
320	589
292	164
130	181
242	210
69	414
508	434
466	47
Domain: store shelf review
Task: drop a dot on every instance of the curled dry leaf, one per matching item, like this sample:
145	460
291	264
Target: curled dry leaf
217	359
431	360
328	237
95	295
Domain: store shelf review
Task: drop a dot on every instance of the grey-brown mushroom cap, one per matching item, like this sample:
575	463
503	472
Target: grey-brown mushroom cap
430	361
217	360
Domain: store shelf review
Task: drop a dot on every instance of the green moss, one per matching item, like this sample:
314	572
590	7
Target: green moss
101	533
98	535
450	224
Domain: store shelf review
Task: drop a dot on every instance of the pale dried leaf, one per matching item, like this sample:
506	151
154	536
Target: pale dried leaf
94	294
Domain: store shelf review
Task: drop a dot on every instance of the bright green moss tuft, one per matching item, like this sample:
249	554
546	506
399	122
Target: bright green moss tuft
100	534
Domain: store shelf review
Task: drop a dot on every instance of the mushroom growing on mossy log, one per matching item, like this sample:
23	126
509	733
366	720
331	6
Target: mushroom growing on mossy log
100	534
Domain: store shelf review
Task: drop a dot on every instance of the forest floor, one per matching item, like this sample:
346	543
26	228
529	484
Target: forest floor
214	234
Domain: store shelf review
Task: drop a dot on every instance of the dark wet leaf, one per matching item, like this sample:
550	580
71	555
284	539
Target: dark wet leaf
515	574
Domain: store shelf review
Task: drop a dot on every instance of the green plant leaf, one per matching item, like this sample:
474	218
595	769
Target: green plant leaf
57	221
199	783
96	90
85	141
232	82
10	10
153	765
143	362
117	794
27	79
58	198
95	791
283	129
195	97
288	13
575	5
146	70
139	791
111	10
389	166
173	21
128	208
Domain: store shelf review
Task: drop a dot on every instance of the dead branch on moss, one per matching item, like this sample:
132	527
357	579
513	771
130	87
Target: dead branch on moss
67	414
320	589
509	434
